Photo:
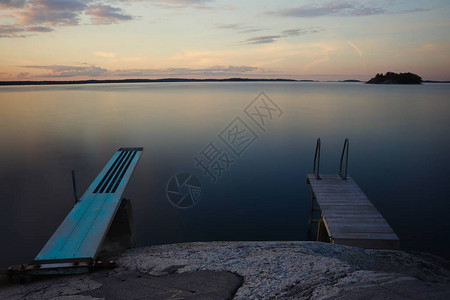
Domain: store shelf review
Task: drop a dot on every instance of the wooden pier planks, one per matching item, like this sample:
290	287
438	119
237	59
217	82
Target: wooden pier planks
348	215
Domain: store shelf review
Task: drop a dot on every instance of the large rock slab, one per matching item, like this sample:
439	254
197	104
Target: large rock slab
303	270
253	270
121	283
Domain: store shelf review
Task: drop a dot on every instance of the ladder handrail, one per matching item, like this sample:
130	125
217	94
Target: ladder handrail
344	151
317	158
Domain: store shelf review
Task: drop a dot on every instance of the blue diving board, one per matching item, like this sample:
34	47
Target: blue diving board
80	236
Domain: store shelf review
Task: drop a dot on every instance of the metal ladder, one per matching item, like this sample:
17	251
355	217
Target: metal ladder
314	206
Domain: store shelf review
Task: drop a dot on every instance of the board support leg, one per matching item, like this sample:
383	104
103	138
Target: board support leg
121	234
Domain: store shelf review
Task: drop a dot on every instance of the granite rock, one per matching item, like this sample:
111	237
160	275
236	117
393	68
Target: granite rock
270	270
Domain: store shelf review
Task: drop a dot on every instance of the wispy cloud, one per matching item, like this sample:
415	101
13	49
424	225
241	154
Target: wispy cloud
211	71
355	48
48	14
52	12
39	29
12	3
301	31
58	71
21	31
343	8
293	32
320	60
202	4
11	31
330	9
267	39
64	71
240	27
23	75
106	14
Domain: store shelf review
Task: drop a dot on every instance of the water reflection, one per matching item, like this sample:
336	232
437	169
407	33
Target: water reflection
398	155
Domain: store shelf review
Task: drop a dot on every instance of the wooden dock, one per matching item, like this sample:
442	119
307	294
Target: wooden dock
347	215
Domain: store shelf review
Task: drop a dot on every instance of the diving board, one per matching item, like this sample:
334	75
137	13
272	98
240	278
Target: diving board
77	241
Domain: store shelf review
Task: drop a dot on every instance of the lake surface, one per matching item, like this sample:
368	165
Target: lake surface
399	155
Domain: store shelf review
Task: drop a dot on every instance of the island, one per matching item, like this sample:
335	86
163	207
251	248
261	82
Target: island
350	80
396	78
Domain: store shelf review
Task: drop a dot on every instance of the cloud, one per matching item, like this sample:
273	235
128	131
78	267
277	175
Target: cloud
330	9
211	71
182	3
343	8
265	39
106	14
302	31
315	62
355	48
11	31
229	26
293	32
240	28
105	54
47	14
39	29
12	3
52	12
55	71
21	31
63	71
23	75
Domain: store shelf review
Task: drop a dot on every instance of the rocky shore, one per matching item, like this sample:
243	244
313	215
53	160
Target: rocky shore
253	270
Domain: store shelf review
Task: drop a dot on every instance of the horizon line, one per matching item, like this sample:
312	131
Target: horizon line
177	79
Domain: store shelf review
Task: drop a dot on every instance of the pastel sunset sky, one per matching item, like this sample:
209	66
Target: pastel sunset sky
322	40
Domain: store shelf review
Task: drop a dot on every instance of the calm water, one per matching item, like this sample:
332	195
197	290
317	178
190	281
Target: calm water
399	146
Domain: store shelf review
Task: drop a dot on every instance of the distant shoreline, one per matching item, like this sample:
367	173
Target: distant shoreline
93	81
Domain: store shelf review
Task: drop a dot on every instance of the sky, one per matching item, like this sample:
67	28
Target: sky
320	40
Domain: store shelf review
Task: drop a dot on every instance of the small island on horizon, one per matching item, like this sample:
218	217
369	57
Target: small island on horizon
396	78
